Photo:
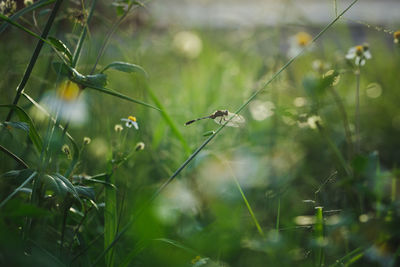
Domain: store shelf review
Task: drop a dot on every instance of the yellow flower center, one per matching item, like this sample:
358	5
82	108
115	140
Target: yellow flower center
132	118
359	50
396	35
303	38
68	91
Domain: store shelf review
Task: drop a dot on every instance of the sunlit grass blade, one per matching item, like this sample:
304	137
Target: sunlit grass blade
168	120
253	217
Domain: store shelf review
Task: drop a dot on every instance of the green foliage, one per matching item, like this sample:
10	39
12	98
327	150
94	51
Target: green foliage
288	188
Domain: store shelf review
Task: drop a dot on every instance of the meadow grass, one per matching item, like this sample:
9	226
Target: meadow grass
306	183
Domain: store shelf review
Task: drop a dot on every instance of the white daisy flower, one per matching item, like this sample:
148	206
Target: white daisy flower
131	121
298	42
360	53
67	103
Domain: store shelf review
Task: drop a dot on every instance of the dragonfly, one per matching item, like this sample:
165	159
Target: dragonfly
221	117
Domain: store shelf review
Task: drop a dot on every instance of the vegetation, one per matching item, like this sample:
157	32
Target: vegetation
99	169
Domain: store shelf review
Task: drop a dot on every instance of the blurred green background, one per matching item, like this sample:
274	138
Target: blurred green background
285	166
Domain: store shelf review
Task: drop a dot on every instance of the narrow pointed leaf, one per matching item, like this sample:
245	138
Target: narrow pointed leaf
24	117
125	67
61	47
17	125
27	180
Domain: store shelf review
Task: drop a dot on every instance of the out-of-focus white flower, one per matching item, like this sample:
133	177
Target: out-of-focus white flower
188	44
360	53
313	121
118	128
67	103
8	7
298	42
131	121
320	66
261	110
28	2
177	199
300	102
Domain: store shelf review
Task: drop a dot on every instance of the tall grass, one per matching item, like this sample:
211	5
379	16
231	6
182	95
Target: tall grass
67	199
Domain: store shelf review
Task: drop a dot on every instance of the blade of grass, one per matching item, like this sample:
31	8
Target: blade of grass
110	218
17	189
33	133
168	120
35	55
15	157
319	236
246	202
208	140
25	10
82	37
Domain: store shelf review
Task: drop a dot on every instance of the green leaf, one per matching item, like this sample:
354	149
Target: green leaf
85	191
61	47
96	79
24	117
125	67
61	185
17	125
92	179
19	175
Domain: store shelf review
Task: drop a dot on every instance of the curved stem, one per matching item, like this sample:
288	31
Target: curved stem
357	115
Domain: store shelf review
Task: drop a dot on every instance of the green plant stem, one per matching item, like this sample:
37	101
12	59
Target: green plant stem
334	149
34	57
82	37
208	140
394	189
357	113
345	121
278	215
256	223
335	7
110	33
319	236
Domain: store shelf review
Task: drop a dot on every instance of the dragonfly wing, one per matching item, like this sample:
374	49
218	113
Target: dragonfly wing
234	120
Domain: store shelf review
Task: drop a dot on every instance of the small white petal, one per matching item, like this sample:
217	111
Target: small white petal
135	124
128	124
367	54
